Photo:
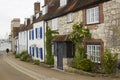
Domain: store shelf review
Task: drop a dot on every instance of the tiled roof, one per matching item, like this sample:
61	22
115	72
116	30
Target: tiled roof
54	9
21	27
61	38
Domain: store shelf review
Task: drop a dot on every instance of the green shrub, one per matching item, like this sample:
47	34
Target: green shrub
23	53
50	59
85	65
24	56
80	55
28	58
109	61
36	62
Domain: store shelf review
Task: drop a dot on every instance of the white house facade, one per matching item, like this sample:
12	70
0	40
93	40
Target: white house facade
22	41
38	43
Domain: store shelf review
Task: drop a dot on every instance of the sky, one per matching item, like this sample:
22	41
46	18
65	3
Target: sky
10	9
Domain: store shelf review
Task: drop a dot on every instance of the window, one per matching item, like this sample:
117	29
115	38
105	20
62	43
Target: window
54	24
40	32
31	19
69	17
63	2
94	49
93	53
37	15
92	15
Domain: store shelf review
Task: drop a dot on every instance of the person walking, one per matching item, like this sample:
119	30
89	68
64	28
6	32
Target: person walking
7	50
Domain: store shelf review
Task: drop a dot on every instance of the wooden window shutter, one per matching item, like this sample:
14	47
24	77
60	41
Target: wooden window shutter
36	33
41	53
40	32
37	52
101	13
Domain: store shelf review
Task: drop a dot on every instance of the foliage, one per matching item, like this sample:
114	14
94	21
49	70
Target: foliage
50	59
36	62
109	61
85	65
79	33
118	64
24	56
49	37
80	55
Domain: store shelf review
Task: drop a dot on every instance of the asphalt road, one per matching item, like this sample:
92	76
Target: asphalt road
14	69
9	73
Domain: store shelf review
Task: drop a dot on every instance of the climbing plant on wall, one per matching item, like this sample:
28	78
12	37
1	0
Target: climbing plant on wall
79	33
49	36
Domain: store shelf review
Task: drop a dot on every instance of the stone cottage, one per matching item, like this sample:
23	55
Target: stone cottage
100	16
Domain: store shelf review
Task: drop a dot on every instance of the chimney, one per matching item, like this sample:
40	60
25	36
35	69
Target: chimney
36	7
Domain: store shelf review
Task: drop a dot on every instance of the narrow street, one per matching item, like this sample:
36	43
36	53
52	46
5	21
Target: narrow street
9	73
14	69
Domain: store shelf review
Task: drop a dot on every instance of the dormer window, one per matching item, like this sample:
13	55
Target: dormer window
31	20
25	21
37	15
45	9
63	2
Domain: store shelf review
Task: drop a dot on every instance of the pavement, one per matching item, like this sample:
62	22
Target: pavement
41	73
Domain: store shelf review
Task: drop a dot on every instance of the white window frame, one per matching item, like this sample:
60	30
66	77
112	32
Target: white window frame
55	24
69	17
63	2
92	15
94	53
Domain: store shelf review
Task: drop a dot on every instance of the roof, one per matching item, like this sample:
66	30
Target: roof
54	9
61	38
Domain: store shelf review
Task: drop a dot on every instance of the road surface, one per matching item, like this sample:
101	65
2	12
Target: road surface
14	69
9	73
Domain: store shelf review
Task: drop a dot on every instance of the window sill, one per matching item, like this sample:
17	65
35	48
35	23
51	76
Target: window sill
92	24
69	22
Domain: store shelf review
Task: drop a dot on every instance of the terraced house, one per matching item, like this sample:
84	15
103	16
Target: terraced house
100	16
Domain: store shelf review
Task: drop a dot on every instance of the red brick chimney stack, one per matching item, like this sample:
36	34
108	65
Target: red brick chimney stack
36	7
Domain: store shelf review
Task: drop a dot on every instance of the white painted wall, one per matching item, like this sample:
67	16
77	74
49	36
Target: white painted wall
39	42
22	41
